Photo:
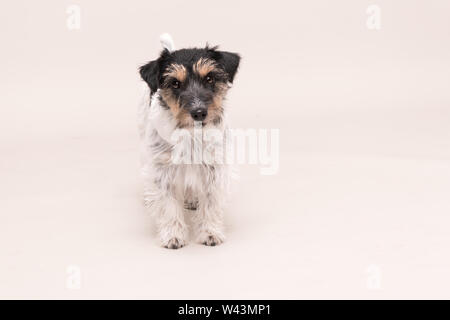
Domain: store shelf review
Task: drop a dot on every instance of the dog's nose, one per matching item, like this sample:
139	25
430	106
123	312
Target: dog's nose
199	114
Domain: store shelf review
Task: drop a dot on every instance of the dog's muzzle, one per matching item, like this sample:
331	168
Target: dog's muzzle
198	110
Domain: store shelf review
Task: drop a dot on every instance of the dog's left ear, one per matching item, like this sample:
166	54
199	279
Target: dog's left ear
150	74
229	61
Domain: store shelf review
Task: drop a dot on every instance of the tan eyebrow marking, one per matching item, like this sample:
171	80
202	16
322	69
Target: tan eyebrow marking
204	66
177	71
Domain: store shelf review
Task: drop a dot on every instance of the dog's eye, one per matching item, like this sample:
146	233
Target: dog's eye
175	84
209	79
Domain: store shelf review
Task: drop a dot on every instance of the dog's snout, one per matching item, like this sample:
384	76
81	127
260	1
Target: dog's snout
199	114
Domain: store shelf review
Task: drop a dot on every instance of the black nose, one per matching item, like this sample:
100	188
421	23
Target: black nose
199	114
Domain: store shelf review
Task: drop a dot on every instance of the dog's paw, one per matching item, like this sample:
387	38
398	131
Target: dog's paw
174	243
191	205
212	240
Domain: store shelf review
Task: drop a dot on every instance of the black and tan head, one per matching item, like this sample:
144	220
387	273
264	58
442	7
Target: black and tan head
192	83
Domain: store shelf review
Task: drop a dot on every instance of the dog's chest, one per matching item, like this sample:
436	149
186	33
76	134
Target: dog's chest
194	178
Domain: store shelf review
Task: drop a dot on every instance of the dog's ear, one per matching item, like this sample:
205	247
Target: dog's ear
152	71
150	74
229	61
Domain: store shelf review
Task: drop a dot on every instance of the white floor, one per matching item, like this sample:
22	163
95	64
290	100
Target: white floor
360	207
360	213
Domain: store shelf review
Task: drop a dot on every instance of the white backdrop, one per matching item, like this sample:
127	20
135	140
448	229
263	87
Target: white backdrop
358	209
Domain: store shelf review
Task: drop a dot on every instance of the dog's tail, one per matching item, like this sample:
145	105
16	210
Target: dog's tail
167	42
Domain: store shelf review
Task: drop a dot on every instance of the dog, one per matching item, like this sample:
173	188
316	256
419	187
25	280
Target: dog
185	90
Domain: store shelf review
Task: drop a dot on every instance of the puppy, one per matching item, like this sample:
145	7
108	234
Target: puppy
185	90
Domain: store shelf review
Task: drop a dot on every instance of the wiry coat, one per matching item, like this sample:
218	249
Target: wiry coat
184	94
171	188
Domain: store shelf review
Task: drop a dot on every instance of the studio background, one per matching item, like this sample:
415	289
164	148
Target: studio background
358	209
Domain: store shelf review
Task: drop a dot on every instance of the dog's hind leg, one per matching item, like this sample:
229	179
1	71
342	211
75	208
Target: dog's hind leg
191	204
190	200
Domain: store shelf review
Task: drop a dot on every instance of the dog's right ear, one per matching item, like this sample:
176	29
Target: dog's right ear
150	74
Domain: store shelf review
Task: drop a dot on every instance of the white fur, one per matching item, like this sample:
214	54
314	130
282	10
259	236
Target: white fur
167	42
169	186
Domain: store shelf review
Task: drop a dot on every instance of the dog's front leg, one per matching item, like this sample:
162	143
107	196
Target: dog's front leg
169	212
172	228
209	216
